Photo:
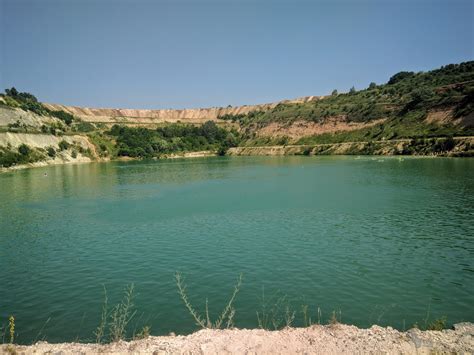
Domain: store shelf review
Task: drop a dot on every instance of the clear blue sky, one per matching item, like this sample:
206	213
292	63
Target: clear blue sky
200	53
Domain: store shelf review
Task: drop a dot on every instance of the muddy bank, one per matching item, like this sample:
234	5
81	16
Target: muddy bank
317	339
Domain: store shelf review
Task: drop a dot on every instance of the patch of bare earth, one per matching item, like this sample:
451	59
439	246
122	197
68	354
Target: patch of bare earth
317	339
301	128
444	117
440	117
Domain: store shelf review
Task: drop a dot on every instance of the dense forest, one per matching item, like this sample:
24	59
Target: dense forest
172	138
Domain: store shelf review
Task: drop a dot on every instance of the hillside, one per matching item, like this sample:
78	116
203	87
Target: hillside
417	113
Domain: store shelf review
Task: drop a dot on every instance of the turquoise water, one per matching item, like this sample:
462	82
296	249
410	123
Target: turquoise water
380	240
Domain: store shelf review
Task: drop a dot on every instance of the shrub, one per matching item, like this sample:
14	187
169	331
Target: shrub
9	158
63	145
67	118
400	76
24	150
51	152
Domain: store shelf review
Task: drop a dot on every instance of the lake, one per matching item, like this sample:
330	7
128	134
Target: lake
378	240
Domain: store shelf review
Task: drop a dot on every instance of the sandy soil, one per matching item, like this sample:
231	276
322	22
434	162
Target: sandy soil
335	339
300	129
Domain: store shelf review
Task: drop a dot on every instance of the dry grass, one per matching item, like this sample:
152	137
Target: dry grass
227	315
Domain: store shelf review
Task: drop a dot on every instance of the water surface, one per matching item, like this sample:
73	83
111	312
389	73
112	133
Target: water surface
378	239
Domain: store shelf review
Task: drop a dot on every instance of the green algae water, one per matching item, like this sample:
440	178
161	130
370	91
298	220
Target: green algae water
378	240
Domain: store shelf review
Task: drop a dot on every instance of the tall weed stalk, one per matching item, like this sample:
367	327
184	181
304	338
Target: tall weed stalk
226	317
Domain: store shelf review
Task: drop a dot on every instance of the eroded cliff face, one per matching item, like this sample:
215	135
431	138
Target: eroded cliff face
9	115
137	116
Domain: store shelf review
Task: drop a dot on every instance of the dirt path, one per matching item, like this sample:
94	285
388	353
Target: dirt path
336	339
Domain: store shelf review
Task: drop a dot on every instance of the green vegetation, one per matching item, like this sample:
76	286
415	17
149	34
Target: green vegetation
23	155
404	102
63	145
67	118
147	143
396	110
225	319
51	152
29	102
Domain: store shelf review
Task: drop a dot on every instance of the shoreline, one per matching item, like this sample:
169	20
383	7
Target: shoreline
377	148
41	164
315	339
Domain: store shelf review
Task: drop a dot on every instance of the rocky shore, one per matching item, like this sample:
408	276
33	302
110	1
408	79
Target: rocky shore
317	339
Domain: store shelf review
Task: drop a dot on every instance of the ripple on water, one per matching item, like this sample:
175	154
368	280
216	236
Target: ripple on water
382	243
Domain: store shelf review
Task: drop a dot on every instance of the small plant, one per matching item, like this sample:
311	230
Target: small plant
118	318
437	324
289	316
306	318
143	333
11	327
227	315
275	313
99	333
334	320
121	315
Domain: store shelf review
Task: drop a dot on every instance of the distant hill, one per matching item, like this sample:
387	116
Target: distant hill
413	113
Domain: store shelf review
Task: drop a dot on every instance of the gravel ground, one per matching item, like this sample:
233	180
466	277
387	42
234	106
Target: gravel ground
335	339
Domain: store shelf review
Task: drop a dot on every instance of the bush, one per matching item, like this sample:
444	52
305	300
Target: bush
24	150
63	145
8	158
67	118
400	76
51	152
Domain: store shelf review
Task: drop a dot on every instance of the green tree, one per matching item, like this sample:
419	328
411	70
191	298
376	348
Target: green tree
400	76
51	152
24	150
63	145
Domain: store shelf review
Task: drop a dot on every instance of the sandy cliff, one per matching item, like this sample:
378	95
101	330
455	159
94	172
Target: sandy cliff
198	115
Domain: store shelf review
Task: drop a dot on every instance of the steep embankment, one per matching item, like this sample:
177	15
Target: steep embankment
455	147
317	339
11	116
78	149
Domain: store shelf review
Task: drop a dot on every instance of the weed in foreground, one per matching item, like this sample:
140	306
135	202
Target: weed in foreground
275	312
121	315
335	318
143	333
11	327
117	318
437	324
307	319
227	315
100	331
